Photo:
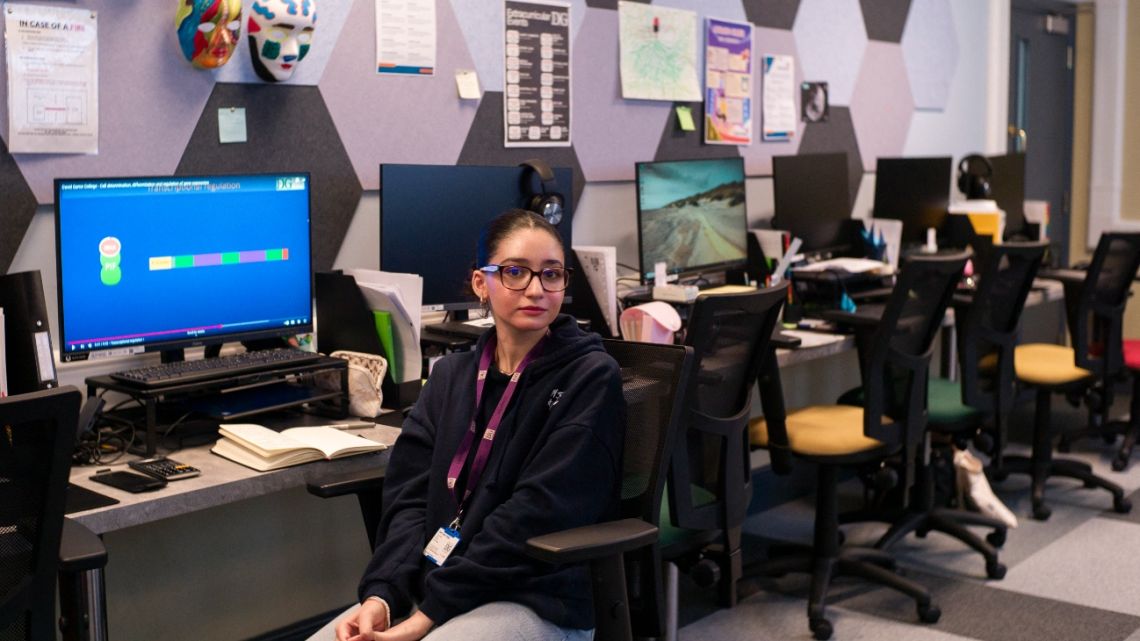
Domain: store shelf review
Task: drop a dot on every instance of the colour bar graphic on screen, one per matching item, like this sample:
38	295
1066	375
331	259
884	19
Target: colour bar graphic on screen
158	263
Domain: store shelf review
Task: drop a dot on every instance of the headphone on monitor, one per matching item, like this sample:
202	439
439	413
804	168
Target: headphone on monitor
544	201
974	173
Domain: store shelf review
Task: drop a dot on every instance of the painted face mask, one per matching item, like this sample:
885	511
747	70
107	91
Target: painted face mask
208	30
280	33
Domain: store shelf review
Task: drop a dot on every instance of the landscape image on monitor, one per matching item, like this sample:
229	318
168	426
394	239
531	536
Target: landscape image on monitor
692	214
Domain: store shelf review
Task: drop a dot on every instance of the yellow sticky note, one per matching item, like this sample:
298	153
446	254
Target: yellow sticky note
685	118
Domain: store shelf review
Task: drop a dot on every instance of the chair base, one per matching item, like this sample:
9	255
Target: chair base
1040	471
952	523
865	563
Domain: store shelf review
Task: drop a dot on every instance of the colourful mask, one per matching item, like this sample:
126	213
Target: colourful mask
208	30
280	33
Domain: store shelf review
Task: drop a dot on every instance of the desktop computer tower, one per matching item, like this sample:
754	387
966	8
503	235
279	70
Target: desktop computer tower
29	360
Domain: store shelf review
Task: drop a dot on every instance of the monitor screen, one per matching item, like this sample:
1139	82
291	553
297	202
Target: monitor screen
811	199
431	216
165	263
1007	188
915	191
691	215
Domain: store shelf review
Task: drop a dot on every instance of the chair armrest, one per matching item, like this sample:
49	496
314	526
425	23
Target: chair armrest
592	541
1070	276
328	486
80	549
867	316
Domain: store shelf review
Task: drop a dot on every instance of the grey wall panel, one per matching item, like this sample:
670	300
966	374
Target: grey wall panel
836	135
775	14
930	48
885	19
830	38
484	145
17	206
882	106
149	97
758	155
631	127
403	119
289	130
678	144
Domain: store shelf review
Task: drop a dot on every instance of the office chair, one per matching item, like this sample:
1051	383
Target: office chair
654	381
1094	305
710	476
37	434
1131	425
895	348
987	329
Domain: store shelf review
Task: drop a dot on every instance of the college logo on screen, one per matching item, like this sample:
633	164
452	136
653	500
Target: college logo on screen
293	183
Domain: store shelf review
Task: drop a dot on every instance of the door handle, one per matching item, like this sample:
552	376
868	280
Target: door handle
1022	138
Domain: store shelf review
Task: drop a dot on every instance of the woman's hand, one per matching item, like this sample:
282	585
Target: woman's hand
369	626
371	616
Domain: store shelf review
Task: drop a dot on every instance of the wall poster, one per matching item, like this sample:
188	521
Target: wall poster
536	96
728	82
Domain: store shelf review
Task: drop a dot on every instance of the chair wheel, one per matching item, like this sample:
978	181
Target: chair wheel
1119	463
1041	512
820	629
995	570
929	613
921	533
1108	437
996	538
1122	505
998	475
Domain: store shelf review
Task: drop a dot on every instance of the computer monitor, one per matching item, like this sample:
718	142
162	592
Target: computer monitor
431	216
915	191
163	263
1007	188
812	201
691	215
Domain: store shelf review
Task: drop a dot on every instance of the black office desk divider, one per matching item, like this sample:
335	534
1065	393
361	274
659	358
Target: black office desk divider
345	322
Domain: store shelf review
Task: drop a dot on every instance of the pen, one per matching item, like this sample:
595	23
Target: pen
351	425
656	24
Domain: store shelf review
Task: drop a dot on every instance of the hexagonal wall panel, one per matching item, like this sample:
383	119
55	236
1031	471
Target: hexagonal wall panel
17	207
331	16
151	99
930	49
289	130
388	118
835	135
758	155
678	144
482	25
885	19
609	4
882	105
484	144
722	9
774	14
610	133
830	38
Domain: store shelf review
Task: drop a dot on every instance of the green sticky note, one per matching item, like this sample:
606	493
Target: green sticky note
383	322
685	118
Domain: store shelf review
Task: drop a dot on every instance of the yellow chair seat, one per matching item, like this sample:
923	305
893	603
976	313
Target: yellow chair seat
1044	364
820	430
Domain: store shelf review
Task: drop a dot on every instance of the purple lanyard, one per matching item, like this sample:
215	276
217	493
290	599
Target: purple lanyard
484	451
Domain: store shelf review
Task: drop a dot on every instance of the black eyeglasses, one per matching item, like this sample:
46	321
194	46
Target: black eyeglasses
517	277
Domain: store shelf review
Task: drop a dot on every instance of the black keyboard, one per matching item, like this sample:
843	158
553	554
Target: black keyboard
212	368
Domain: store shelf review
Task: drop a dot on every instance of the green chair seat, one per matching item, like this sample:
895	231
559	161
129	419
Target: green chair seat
945	408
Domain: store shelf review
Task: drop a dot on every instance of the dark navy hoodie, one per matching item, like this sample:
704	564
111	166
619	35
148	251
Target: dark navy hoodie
555	464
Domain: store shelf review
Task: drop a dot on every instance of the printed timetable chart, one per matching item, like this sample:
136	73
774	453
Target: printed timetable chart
536	105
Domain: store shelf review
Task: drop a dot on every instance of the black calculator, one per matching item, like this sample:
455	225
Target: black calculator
163	468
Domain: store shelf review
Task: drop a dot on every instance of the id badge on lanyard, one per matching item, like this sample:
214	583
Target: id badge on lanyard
447	538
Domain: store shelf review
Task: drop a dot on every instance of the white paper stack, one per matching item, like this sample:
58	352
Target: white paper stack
599	264
402	296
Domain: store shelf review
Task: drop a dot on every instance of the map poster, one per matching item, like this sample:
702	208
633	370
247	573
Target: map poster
658	53
536	101
53	79
728	82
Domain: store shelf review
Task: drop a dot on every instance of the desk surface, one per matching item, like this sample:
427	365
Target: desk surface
222	481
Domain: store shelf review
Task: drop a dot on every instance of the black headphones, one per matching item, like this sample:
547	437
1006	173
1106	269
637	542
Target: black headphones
544	201
974	173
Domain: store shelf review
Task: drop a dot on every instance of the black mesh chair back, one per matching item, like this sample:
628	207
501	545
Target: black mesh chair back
988	322
896	354
37	435
710	477
1096	312
654	380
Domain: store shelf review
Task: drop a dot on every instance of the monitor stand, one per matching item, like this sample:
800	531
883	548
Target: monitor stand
179	355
